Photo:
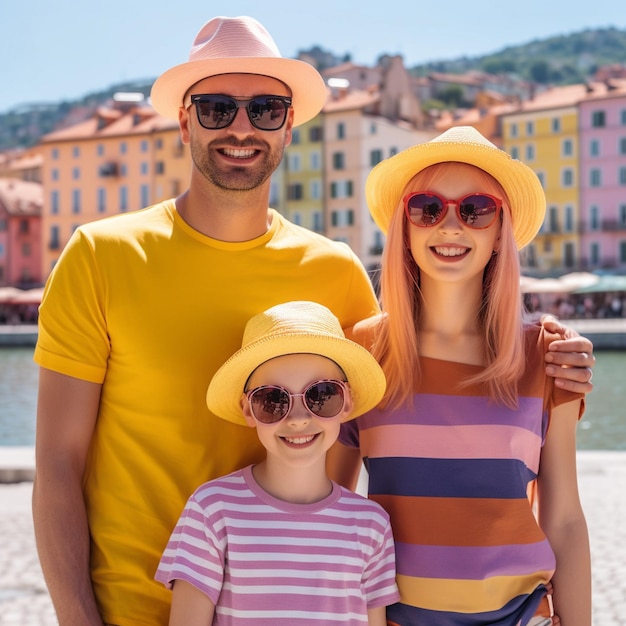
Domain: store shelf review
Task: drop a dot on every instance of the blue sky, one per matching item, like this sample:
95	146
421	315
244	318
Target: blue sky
64	49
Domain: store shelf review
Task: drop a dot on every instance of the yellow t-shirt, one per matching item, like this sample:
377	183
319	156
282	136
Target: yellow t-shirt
150	308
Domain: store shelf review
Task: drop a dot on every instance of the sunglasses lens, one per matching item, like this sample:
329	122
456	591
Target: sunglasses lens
325	398
216	111
478	210
269	404
267	112
424	209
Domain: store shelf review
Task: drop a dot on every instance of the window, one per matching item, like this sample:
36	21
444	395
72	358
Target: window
622	175
316	190
158	144
294	162
295	191
75	152
393	150
26	251
594	217
315	134
338	161
75	173
530	152
594	254
143	168
76	201
100	150
594	148
373	129
295	136
595	178
622	145
515	152
623	117
54	202
55	153
341	189
341	130
344	217
513	130
622	252
123	198
318	221
568	177
598	119
296	218
23	227
54	238
54	174
102	200
568	225
143	146
553	217
315	160
567	147
622	215
568	255
123	147
144	192
556	125
542	178
159	167
530	128
376	156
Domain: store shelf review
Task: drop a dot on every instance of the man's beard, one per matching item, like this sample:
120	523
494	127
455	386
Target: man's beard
235	178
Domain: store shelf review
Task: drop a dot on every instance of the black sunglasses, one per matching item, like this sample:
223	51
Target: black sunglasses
476	210
217	111
323	398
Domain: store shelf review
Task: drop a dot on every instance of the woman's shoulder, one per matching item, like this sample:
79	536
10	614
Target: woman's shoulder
365	332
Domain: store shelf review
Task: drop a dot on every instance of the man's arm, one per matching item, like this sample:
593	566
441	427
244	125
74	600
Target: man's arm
569	360
66	416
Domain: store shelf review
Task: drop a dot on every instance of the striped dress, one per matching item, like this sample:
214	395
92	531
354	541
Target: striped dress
265	561
455	473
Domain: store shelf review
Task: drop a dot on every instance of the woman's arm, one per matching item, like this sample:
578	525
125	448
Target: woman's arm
190	607
562	519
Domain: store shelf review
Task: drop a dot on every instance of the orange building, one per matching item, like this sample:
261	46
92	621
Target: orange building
121	159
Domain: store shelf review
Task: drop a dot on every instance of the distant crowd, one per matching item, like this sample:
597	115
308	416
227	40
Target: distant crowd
579	306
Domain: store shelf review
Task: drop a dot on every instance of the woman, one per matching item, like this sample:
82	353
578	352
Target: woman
472	451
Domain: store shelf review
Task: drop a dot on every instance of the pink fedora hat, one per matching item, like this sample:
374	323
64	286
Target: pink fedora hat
239	45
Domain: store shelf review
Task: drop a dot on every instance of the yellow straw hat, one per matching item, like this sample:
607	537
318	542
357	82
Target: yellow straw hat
463	144
239	45
295	328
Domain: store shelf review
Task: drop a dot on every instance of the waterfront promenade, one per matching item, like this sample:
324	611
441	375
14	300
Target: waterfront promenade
25	602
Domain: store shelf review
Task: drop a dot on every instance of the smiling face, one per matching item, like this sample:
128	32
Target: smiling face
451	250
300	437
239	157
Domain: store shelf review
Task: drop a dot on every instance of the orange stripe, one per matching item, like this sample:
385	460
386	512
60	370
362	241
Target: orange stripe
435	521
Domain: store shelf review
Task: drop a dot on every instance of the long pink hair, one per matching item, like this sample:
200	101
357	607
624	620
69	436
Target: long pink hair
396	345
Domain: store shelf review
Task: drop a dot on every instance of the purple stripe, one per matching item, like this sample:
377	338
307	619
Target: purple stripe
473	563
432	409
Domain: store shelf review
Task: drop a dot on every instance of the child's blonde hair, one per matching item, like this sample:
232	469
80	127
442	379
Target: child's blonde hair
500	315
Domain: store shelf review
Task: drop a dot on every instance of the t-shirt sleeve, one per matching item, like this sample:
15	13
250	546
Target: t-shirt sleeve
194	553
73	338
379	580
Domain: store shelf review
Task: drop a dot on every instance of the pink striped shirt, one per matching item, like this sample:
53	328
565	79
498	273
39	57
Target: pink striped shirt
265	561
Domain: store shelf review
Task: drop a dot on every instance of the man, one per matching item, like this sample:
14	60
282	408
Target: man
143	308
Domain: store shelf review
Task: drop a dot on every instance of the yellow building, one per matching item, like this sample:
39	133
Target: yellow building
543	133
121	159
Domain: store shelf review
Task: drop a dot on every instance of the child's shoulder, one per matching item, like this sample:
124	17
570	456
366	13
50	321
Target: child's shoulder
359	504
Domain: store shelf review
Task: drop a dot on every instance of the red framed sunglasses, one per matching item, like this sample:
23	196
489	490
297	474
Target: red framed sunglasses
475	210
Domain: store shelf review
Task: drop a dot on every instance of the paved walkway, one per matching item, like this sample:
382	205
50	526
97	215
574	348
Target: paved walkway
602	477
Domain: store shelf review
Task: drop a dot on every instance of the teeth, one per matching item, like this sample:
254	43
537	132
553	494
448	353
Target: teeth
450	251
300	440
239	153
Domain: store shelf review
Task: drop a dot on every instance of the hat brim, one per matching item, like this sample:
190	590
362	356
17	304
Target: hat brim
307	87
387	181
364	375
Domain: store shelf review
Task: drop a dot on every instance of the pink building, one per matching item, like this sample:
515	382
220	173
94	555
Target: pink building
602	128
20	233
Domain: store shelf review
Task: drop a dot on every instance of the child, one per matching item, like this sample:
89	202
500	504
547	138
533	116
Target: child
471	428
278	542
